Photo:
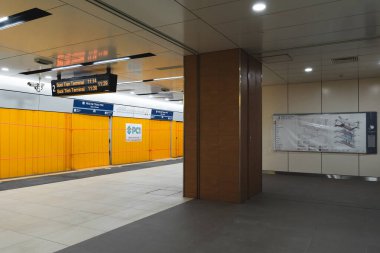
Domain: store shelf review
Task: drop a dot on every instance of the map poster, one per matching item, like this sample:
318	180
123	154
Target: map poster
335	132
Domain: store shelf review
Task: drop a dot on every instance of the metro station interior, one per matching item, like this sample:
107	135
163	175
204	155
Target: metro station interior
189	126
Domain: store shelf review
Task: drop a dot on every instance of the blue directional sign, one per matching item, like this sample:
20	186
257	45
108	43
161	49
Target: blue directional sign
92	108
161	115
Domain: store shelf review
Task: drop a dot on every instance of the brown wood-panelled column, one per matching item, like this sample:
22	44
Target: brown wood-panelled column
222	159
191	133
255	127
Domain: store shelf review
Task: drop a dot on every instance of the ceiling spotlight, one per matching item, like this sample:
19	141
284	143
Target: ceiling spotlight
150	96
48	77
132	92
167	99
5	69
259	7
308	69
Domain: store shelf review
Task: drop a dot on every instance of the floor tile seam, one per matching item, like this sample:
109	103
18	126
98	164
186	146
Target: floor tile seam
124	223
66	176
33	237
32	215
70	209
340	204
67	245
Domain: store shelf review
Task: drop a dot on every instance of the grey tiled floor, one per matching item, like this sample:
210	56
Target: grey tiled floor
294	214
50	217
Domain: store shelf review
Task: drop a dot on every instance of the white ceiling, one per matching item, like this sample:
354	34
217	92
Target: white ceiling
78	30
311	32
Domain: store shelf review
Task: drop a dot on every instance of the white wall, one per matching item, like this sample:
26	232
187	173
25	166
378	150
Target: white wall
133	100
328	96
20	84
26	97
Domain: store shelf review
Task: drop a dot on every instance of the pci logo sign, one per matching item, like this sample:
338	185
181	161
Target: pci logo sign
134	132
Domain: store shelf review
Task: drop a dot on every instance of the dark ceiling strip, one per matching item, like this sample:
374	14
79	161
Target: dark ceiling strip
135	56
125	90
146	94
24	16
170	67
36	71
109	8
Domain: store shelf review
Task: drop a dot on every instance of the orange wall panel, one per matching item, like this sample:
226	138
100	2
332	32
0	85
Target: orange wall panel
155	144
33	142
160	132
180	139
90	141
38	142
177	139
129	152
4	143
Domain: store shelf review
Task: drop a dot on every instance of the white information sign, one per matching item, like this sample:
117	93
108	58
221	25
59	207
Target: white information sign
133	132
131	112
344	132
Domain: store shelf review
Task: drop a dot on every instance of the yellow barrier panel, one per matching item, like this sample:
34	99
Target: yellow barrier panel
90	141
159	139
177	139
129	152
33	142
37	142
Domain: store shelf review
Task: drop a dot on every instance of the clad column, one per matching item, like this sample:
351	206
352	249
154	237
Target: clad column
222	159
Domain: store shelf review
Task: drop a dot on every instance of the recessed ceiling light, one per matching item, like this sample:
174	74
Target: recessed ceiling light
48	77
168	78
259	7
150	96
22	17
5	69
67	67
84	64
308	69
11	25
140	81
112	60
132	92
166	99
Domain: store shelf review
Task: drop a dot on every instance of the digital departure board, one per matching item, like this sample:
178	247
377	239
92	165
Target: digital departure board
84	85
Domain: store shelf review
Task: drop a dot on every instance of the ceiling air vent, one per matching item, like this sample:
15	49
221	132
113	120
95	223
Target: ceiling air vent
43	61
343	60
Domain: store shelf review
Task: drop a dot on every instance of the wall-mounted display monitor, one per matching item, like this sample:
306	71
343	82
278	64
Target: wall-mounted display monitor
84	85
329	132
